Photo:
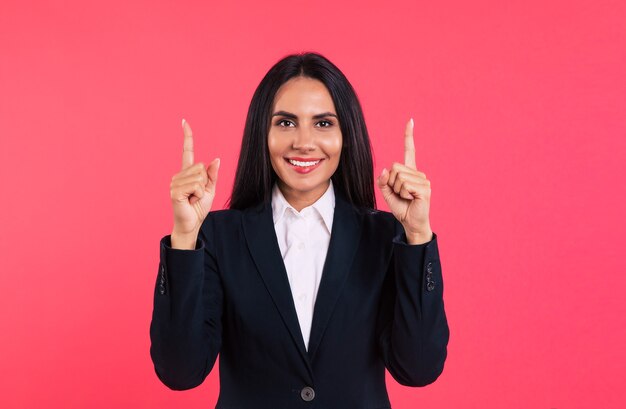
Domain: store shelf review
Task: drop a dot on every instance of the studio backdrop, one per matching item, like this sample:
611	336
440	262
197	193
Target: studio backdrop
519	126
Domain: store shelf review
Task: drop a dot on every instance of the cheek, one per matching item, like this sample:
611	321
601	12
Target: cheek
274	151
271	144
274	147
333	146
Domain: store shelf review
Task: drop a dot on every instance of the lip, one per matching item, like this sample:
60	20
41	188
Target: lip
299	159
306	170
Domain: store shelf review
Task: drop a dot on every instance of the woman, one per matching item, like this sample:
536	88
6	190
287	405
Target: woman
305	291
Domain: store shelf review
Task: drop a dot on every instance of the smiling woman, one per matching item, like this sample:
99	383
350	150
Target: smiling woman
302	287
304	140
310	96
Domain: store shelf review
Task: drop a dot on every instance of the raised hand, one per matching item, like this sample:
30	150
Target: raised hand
192	191
407	193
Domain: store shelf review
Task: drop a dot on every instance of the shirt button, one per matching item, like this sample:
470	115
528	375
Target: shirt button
307	394
301	246
302	297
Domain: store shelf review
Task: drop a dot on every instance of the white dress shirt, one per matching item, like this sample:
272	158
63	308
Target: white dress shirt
303	238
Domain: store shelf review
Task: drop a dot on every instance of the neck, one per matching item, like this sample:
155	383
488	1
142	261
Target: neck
298	199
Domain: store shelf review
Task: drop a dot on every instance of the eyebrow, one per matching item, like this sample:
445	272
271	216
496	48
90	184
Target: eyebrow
294	116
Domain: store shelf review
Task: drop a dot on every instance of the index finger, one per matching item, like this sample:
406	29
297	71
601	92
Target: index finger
187	145
409	146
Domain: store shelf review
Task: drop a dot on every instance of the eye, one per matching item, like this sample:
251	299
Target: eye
285	123
324	123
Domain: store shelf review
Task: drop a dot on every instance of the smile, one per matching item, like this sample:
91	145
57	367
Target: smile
303	164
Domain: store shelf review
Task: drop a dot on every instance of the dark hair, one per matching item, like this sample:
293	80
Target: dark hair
354	177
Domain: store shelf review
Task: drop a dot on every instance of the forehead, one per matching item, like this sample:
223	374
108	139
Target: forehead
303	95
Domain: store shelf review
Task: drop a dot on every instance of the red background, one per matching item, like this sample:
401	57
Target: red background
520	126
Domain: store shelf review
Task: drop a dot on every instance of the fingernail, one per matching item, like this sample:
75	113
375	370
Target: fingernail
411	121
183	122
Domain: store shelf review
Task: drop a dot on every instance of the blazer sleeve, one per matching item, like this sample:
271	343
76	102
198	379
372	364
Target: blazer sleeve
415	331
186	327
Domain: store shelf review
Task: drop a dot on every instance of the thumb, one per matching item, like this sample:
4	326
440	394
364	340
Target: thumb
208	194
212	170
385	189
383	179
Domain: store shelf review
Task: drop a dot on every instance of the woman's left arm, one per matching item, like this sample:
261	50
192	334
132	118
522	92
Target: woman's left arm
414	329
415	333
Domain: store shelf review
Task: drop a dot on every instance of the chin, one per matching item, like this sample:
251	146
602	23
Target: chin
303	185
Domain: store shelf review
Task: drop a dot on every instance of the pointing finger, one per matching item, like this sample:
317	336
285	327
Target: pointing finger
187	145
409	146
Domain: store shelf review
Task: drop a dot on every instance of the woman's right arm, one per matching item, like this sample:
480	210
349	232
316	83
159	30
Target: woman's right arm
186	331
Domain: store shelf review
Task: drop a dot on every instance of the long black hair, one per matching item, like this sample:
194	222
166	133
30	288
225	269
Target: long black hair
354	177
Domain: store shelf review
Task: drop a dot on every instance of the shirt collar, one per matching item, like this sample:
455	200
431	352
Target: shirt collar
325	205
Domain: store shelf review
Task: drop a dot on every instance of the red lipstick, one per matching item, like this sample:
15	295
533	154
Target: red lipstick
302	169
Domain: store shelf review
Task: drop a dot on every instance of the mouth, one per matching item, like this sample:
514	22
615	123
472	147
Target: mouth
302	165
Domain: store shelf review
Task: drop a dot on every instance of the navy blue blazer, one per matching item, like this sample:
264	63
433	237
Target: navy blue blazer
379	305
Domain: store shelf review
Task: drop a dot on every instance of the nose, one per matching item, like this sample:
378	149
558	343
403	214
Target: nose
304	139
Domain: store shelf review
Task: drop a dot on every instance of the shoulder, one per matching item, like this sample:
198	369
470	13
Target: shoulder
378	221
221	222
224	215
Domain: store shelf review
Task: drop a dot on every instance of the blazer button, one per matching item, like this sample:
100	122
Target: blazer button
161	279
307	394
430	285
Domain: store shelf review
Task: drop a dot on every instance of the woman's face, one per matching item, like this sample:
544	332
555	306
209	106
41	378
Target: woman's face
304	139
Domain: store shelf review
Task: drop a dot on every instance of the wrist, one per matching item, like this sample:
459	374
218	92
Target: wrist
420	237
184	241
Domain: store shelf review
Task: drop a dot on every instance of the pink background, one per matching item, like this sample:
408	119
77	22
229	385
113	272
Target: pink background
520	126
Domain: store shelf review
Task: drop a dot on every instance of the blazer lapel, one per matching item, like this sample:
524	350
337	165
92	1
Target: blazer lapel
258	226
260	235
344	240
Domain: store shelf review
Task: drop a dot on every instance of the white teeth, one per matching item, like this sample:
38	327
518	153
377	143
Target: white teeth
303	164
